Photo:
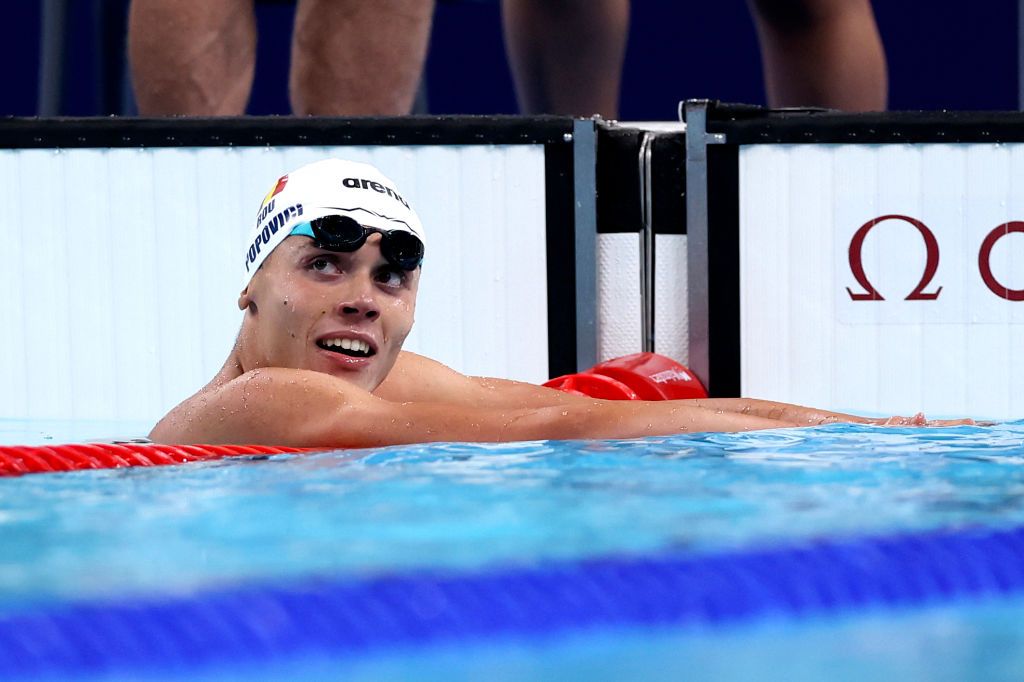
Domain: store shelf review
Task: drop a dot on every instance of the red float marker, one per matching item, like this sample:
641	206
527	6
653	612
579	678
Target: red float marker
16	460
640	376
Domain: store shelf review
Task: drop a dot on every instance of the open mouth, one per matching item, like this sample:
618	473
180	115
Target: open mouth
351	347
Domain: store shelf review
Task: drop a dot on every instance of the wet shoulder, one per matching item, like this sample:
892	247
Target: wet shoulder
418	378
231	411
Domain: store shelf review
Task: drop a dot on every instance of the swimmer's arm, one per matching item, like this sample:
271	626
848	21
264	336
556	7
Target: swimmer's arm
416	378
804	416
310	409
809	416
424	422
388	423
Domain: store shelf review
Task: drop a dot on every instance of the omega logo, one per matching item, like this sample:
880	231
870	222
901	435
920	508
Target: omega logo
870	293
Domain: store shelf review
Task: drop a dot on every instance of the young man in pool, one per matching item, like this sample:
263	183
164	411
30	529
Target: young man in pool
331	275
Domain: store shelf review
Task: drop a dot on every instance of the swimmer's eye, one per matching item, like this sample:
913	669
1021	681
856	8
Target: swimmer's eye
324	264
391	277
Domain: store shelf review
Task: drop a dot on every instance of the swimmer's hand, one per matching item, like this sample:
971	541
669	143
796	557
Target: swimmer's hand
920	420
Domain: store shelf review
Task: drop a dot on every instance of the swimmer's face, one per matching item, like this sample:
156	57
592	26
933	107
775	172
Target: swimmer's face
345	314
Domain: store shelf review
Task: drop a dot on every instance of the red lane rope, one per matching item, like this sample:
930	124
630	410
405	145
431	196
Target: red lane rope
16	460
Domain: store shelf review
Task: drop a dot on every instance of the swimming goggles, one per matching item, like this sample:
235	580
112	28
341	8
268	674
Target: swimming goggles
342	233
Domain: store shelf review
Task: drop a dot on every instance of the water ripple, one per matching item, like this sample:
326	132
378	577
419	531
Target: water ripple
465	505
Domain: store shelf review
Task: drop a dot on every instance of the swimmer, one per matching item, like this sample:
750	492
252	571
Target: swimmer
329	296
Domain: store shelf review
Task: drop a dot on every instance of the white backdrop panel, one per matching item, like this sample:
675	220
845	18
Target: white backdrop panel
806	339
122	266
618	296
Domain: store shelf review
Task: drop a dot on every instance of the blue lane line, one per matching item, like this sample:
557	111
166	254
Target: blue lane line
349	616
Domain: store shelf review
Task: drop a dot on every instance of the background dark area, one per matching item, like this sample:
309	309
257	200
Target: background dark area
942	55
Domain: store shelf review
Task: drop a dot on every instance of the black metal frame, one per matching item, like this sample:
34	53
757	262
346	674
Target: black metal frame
715	134
261	131
568	222
619	199
741	124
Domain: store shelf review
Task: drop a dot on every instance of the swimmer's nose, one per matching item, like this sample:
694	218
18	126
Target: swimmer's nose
359	302
362	307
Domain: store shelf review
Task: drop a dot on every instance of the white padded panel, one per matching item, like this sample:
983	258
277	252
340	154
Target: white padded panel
671	315
618	292
805	340
122	266
618	295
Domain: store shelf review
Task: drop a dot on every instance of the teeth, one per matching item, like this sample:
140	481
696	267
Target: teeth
348	344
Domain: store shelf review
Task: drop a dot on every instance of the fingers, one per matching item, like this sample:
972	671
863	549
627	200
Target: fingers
951	422
917	420
920	420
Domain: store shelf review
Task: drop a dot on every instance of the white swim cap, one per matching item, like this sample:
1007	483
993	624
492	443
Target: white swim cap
328	187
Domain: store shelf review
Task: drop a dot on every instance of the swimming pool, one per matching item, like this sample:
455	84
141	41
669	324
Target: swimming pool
529	560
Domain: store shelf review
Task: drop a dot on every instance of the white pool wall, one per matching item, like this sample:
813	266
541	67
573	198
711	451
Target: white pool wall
122	267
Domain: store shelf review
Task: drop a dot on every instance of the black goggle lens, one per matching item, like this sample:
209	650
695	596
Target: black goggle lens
342	233
406	250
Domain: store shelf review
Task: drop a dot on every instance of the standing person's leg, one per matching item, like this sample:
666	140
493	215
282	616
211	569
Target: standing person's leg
822	53
566	55
192	57
358	58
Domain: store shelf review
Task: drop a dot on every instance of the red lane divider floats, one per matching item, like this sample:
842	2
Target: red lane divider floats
640	376
16	460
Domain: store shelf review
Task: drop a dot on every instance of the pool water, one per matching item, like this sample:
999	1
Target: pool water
945	644
117	535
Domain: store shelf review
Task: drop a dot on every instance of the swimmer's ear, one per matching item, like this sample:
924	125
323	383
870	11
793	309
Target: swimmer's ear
245	300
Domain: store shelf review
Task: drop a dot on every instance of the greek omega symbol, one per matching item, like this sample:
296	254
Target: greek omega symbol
985	258
931	266
857	262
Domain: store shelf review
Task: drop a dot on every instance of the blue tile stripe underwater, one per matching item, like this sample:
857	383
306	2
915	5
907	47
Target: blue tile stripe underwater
352	616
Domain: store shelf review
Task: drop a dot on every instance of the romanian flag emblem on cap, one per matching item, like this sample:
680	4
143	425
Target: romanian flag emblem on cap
282	181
